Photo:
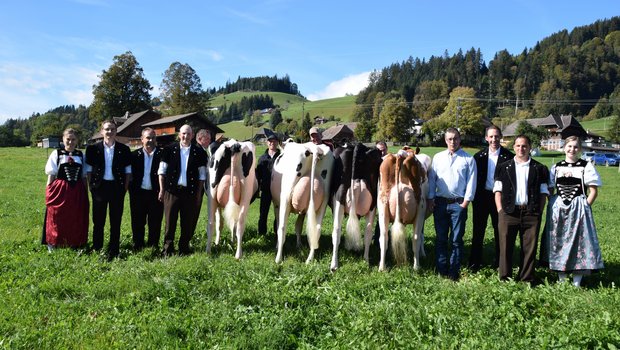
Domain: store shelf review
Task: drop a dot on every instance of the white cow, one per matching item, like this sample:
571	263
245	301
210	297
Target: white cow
403	187
232	183
300	184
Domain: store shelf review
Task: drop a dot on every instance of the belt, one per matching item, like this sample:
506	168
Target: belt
452	200
521	207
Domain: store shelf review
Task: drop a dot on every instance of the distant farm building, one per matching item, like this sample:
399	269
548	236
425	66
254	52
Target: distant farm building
339	133
556	126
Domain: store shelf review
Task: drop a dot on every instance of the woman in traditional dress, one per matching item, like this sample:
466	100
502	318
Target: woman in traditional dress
570	237
66	218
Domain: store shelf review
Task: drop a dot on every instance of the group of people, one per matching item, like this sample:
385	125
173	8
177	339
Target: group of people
169	183
513	189
166	182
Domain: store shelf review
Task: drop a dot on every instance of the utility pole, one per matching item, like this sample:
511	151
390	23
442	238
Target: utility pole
459	108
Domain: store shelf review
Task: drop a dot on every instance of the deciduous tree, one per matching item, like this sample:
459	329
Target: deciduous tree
181	90
395	121
275	119
122	88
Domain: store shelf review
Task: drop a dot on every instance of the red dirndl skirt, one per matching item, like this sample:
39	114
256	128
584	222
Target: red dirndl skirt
66	221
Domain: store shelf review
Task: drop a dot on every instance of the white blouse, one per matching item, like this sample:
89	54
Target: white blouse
53	162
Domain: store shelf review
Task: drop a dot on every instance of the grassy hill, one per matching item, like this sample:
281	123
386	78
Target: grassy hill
293	107
598	126
281	99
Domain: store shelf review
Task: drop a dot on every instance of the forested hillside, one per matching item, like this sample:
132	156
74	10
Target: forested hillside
565	73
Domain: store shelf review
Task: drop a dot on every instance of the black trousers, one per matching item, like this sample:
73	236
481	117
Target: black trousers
109	194
265	205
483	207
183	205
145	208
526	224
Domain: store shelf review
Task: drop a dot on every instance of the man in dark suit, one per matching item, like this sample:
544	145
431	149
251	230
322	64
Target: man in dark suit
520	194
487	161
144	190
109	171
182	173
263	175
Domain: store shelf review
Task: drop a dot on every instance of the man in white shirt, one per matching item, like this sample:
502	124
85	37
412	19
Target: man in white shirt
452	185
182	173
520	195
108	167
483	206
144	191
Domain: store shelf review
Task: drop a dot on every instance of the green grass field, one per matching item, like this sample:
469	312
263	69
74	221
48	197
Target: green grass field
76	299
598	126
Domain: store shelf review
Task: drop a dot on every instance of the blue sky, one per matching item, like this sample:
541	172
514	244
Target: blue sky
52	51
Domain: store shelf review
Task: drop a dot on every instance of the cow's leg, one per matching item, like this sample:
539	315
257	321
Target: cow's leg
319	222
218	224
211	224
282	221
299	225
418	235
336	233
240	227
370	223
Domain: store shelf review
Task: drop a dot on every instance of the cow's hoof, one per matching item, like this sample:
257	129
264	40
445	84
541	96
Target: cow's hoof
238	256
333	268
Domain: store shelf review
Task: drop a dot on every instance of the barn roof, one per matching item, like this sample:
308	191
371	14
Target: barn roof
560	122
132	118
176	118
336	131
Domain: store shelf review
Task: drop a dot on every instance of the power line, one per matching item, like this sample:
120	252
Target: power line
583	102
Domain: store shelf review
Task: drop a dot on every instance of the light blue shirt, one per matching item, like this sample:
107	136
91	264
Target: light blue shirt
452	175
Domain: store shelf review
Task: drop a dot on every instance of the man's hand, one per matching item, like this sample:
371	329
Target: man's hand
430	204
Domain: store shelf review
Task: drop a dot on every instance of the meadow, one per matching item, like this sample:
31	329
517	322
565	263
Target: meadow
76	299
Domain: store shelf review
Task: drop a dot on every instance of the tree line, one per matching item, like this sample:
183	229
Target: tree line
263	83
574	72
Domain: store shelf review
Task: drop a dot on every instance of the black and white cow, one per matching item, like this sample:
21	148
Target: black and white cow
300	184
232	184
354	192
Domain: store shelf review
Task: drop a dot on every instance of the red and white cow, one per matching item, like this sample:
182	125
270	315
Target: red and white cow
403	187
354	192
300	184
232	183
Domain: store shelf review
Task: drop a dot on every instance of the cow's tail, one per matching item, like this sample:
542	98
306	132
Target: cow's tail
232	208
399	237
312	229
353	240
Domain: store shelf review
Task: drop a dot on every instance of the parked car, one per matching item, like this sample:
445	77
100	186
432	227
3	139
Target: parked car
587	156
606	159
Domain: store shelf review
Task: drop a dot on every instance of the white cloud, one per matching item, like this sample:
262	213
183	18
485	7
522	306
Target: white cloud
351	84
32	88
